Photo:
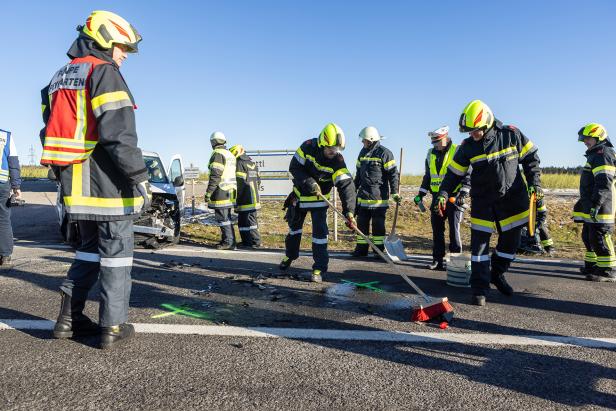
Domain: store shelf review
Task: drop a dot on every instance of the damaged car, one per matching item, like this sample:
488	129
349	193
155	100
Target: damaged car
160	223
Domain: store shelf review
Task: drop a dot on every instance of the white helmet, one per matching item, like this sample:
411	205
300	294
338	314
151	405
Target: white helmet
370	133
439	133
217	138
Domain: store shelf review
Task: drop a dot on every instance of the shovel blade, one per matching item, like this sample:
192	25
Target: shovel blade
395	248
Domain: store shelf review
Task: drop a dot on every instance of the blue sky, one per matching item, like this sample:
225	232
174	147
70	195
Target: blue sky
271	74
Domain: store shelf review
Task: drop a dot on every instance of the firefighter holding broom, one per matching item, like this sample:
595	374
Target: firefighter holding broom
317	167
500	199
438	159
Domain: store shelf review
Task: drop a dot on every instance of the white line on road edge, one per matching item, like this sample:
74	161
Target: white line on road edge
343	335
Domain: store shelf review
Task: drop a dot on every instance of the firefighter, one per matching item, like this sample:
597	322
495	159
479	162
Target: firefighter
498	192
90	140
221	189
438	159
595	205
248	183
10	181
317	167
376	176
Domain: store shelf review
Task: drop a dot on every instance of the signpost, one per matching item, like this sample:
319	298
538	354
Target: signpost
274	172
192	173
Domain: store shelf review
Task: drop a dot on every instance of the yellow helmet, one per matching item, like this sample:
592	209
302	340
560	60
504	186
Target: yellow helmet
594	130
237	150
332	136
476	116
107	29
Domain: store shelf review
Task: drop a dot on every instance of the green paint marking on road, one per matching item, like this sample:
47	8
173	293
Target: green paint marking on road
182	310
369	285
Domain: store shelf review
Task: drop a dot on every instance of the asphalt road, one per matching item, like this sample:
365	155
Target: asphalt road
221	330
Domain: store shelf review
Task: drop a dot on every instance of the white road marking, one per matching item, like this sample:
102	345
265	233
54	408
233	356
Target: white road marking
344	335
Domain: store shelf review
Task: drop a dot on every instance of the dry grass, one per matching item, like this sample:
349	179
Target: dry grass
33	172
413	227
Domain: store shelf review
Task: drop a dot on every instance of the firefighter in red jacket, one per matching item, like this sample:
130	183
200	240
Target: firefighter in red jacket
90	140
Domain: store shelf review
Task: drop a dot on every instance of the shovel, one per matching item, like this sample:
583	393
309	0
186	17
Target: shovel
393	243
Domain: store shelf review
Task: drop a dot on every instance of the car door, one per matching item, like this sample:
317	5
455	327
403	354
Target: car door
176	169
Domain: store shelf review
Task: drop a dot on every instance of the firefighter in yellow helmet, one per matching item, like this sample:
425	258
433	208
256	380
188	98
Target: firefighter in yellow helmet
221	188
498	192
90	140
247	204
595	208
438	159
317	167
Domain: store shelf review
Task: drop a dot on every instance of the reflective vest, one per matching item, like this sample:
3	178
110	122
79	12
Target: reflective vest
71	132
225	192
436	176
7	148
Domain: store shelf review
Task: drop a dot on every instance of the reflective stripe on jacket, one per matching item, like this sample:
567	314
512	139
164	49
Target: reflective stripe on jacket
222	185
247	177
376	176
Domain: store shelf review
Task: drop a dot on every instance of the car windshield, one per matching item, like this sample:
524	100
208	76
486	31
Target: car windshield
156	172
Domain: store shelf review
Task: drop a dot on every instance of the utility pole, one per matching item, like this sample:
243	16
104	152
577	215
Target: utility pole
32	155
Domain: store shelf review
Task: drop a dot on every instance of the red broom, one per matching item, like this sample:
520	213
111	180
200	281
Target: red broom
431	307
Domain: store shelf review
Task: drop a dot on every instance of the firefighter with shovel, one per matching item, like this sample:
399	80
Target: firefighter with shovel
376	177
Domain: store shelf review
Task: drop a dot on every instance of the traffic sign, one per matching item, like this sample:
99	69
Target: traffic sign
191	173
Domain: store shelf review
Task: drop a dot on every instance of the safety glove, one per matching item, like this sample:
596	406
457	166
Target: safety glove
396	197
207	196
461	198
350	221
537	190
144	190
440	205
418	198
594	214
315	188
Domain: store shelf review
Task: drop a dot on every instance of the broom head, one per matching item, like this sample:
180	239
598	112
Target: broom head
437	308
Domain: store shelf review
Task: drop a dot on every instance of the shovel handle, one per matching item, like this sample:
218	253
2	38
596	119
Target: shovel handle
378	251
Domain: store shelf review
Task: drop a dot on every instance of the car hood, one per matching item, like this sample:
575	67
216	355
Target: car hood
162	188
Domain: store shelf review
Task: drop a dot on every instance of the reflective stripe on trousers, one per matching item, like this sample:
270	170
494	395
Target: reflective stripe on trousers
106	249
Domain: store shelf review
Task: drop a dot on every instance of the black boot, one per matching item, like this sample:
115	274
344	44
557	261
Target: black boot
436	265
112	336
501	284
71	321
285	263
225	246
478	299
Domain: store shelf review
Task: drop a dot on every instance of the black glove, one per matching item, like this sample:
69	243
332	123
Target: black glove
315	188
461	198
144	190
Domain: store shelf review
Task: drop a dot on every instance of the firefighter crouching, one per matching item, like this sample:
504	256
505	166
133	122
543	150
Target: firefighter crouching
221	189
595	208
498	192
90	140
317	167
247	203
438	159
376	176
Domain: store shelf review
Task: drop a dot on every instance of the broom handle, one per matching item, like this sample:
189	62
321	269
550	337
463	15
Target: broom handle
378	251
393	226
